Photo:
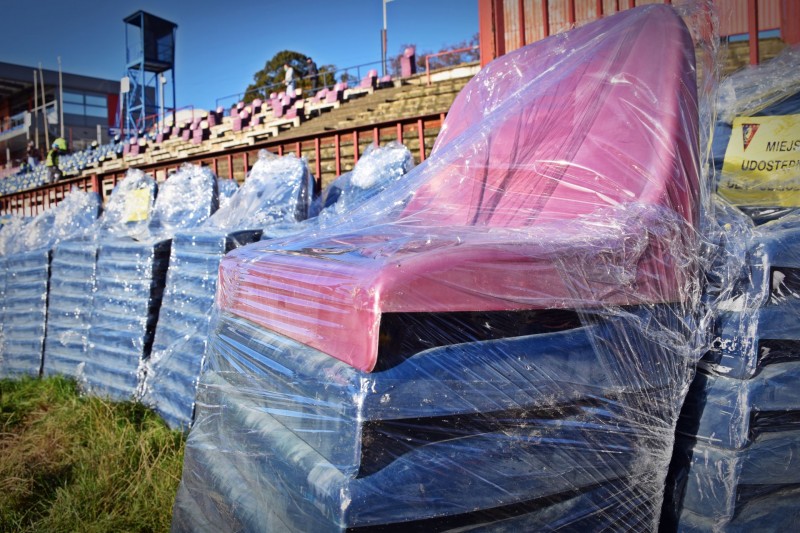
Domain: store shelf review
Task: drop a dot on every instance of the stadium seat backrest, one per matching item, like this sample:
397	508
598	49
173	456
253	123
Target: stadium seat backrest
276	190
546	143
184	201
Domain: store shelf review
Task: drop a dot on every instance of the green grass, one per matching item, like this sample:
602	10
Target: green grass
69	463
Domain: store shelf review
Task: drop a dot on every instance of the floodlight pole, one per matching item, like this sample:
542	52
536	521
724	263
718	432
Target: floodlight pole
162	80
44	108
383	37
60	99
36	109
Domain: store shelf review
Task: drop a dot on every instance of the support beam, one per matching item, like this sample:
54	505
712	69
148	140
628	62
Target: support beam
752	29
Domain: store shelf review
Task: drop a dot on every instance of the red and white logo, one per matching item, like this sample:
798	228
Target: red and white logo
748	132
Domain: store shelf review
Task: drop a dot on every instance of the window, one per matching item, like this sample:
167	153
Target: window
87	105
73	98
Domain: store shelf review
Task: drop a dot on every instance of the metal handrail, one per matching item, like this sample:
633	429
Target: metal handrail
155	117
267	88
446	52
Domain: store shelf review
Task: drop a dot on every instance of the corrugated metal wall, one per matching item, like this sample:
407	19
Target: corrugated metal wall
558	17
733	16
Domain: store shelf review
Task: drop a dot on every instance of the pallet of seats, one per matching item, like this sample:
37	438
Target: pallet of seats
737	459
74	273
131	274
8	233
501	340
27	262
274	201
277	190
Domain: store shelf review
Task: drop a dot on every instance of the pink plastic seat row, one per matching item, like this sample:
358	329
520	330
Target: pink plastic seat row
557	181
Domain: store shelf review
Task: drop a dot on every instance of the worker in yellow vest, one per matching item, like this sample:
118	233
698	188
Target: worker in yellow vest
53	172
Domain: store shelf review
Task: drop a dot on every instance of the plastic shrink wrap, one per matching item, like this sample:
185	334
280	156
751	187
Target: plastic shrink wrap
27	278
130	283
276	191
227	188
500	341
74	273
736	465
376	170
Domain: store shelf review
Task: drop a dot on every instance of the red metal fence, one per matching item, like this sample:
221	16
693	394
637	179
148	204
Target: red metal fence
329	154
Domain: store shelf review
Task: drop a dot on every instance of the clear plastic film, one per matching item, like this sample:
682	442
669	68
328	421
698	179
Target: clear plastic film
757	137
74	215
375	170
500	340
185	200
276	190
8	234
128	210
131	275
27	273
74	271
735	466
227	188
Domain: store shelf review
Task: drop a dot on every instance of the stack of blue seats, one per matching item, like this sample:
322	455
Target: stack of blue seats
131	274
390	370
528	430
737	454
736	465
8	233
28	277
276	191
73	273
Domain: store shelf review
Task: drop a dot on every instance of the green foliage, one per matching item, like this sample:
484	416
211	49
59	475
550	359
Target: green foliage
69	463
326	77
270	78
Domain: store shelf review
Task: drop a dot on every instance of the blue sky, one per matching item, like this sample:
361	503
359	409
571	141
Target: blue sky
221	44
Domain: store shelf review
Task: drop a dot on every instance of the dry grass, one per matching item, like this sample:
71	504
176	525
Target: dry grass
82	464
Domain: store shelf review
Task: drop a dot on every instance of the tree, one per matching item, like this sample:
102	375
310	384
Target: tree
326	77
270	78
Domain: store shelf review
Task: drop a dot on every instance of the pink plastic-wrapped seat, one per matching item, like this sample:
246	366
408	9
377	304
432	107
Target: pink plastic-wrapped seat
557	181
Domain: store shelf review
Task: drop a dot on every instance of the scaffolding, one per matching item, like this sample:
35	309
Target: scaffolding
150	65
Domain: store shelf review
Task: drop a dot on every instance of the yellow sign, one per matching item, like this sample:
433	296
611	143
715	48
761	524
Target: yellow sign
137	205
762	162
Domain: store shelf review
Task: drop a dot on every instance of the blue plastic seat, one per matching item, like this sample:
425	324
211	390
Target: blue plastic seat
718	483
276	190
131	277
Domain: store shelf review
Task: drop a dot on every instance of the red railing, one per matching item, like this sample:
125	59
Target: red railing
445	53
331	153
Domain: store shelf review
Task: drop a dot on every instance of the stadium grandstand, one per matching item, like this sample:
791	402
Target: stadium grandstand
331	128
489	295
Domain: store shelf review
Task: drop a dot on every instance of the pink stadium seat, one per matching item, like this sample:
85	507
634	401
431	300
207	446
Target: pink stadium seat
543	166
335	94
241	120
408	63
370	80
